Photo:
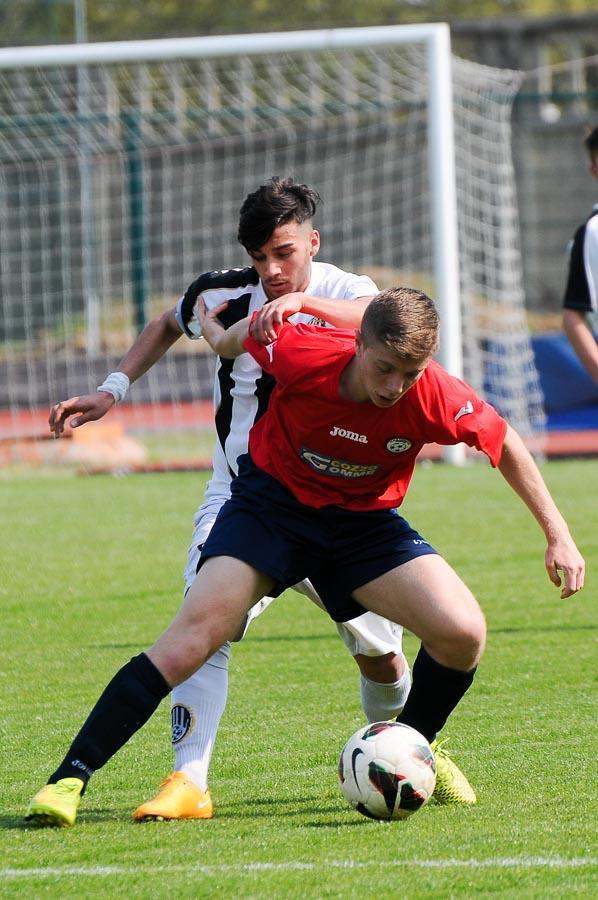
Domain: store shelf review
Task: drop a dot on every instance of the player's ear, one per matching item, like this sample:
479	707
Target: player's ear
358	340
314	242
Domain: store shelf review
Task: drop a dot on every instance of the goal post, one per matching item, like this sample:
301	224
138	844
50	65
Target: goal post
123	166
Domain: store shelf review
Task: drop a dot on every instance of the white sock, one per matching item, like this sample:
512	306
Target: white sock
381	702
197	706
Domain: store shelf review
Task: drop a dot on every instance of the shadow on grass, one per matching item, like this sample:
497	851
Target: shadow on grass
310	810
264	810
536	629
332	636
255	639
361	821
275	807
87	816
15	823
134	648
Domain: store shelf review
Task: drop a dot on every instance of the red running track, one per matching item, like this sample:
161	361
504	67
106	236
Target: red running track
33	424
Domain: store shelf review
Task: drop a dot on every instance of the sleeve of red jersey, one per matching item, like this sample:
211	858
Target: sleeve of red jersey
485	429
275	358
467	418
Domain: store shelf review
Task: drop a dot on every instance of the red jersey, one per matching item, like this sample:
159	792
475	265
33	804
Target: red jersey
330	451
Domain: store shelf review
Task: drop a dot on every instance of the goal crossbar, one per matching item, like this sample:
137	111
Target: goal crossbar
220	45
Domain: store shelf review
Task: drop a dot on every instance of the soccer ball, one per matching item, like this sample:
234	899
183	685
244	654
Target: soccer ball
387	770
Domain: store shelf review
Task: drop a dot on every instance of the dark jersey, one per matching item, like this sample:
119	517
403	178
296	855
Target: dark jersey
581	292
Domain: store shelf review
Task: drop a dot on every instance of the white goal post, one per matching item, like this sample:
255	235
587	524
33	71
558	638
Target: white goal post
123	165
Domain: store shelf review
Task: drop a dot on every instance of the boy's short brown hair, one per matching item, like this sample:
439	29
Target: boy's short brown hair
403	319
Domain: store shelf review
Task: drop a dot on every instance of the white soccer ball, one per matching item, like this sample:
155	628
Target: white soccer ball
387	770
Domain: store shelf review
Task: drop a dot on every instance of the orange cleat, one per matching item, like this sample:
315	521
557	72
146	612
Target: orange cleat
178	798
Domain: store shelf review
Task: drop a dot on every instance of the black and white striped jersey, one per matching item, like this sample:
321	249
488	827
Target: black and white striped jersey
581	292
241	388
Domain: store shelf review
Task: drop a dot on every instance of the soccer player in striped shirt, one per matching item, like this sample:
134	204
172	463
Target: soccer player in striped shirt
580	314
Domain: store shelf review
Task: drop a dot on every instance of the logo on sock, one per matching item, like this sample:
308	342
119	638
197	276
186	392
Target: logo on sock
182	720
77	764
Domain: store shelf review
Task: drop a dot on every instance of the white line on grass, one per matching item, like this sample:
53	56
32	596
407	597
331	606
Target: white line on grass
515	862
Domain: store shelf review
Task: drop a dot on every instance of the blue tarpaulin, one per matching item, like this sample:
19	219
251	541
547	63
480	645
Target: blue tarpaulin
570	395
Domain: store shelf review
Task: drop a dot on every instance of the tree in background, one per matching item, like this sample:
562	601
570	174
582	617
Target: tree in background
24	22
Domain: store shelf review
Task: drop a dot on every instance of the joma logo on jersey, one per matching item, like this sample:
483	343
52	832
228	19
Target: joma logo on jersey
351	435
339	467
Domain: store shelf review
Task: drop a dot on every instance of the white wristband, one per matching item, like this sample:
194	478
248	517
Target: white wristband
117	384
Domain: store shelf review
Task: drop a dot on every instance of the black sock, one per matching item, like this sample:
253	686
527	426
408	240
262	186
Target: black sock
435	692
126	704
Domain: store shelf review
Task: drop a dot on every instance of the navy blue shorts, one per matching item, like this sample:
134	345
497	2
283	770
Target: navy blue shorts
339	550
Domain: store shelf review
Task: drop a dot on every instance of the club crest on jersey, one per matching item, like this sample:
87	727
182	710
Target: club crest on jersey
182	720
398	445
350	435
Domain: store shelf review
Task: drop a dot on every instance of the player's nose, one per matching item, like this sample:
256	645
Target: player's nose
394	386
272	267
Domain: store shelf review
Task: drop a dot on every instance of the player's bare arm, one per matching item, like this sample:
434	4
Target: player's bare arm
228	342
225	342
341	313
518	468
153	342
582	340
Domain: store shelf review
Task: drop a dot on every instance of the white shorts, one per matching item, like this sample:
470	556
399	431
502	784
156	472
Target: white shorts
368	634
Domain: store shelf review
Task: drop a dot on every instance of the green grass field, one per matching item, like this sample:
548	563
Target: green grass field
91	573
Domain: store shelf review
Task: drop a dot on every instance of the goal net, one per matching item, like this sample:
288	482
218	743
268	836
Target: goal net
123	167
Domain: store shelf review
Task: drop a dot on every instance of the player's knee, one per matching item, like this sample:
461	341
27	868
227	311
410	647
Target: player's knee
473	645
468	639
462	642
178	656
386	669
176	665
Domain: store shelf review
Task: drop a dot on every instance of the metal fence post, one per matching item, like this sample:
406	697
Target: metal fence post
137	230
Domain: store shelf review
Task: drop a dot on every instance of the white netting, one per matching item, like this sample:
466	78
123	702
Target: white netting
119	183
498	358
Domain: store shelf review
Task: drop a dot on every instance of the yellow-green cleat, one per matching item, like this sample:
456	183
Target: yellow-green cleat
451	784
56	804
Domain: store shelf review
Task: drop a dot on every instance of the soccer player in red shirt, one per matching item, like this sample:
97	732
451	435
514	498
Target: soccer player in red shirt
328	464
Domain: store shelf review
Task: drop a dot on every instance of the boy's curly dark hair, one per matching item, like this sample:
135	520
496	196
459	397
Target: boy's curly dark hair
274	203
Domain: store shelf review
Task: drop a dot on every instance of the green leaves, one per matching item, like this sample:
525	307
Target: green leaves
25	22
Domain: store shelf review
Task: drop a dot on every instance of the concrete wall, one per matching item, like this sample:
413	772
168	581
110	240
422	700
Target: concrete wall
557	104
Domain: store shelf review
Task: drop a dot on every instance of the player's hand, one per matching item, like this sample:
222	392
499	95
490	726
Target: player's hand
91	406
212	328
266	324
563	556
